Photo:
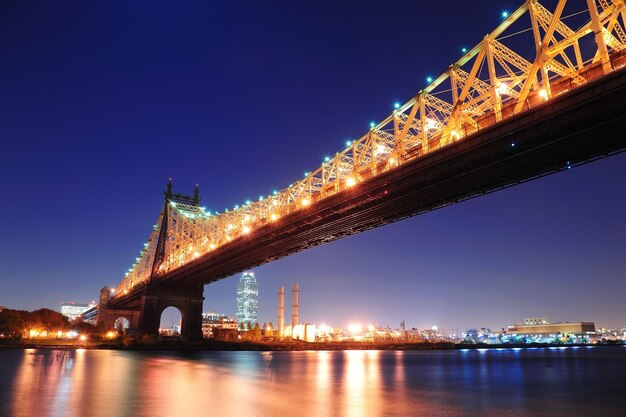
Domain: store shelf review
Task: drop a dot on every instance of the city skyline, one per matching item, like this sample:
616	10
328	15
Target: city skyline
88	187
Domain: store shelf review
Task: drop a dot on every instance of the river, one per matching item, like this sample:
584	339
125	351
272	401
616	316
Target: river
585	381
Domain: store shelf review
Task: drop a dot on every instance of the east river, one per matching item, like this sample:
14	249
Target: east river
585	381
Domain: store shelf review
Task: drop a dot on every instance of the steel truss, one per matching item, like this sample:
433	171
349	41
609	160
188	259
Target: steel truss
489	83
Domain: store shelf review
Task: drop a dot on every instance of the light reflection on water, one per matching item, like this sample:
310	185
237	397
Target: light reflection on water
538	382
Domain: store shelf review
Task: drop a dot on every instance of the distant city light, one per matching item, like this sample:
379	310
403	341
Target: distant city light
355	328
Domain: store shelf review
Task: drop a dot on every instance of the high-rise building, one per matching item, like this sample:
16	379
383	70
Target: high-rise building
247	299
73	310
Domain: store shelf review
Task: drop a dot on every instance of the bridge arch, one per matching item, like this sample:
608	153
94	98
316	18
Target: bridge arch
121	324
171	321
187	300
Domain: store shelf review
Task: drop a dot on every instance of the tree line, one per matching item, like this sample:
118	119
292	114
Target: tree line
18	323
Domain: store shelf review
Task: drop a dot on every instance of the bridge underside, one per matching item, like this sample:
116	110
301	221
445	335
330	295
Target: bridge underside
574	128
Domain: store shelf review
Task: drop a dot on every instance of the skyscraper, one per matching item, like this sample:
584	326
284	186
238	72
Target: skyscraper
247	299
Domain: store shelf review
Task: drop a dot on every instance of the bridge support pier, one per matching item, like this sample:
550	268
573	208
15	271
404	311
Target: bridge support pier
188	300
107	316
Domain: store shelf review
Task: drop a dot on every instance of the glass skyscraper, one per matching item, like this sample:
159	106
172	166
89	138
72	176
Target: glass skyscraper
247	299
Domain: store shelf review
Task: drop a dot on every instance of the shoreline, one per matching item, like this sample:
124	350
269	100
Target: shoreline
275	346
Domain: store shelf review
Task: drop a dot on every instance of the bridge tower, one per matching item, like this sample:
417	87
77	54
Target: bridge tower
158	295
144	316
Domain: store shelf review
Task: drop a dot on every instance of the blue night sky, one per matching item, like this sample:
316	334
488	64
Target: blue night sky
102	101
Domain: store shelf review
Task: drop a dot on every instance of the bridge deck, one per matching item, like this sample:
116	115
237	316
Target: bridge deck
578	127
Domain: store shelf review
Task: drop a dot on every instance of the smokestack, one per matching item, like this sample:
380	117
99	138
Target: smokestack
281	311
295	318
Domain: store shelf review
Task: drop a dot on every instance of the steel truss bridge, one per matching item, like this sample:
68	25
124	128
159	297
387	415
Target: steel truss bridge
545	91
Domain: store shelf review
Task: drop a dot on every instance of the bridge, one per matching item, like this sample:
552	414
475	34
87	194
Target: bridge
544	92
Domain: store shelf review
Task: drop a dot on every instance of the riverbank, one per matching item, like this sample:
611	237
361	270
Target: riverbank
210	345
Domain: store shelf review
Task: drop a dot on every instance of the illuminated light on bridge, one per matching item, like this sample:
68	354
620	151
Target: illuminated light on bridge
502	88
489	94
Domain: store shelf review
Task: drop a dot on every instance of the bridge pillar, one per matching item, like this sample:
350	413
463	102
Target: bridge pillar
107	316
188	300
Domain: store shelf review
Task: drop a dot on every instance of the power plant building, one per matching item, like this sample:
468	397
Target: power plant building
295	330
281	311
248	299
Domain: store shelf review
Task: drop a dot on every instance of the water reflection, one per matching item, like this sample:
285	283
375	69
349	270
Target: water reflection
352	383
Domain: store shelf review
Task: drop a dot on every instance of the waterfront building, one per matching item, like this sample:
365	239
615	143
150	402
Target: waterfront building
213	321
305	332
247	299
73	310
544	331
612	335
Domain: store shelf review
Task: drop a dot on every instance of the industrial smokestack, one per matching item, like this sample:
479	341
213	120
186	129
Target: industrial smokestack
281	311
295	317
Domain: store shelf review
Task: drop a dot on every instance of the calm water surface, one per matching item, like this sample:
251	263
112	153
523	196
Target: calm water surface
536	382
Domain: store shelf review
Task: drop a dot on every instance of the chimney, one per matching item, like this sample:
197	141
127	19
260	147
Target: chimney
281	311
295	318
